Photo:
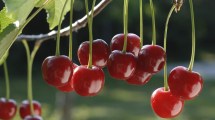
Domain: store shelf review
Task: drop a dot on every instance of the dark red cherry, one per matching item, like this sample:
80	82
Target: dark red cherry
133	44
101	53
121	65
25	110
153	58
184	83
35	117
57	70
139	77
68	87
166	105
8	109
88	81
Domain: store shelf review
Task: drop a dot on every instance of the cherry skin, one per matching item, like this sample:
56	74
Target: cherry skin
68	87
57	70
25	110
184	83
35	117
139	77
153	58
88	81
133	43
100	56
166	105
121	65
8	109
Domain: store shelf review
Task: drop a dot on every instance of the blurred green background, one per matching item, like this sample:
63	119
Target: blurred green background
118	100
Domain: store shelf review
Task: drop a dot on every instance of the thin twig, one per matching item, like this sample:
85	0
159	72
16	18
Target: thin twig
65	31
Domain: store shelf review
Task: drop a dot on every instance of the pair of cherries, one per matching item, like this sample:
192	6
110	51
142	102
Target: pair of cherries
66	76
136	65
183	85
8	109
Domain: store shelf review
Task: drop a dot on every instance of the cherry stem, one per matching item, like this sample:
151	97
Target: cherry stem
57	52
30	60
141	23
90	24
166	88
125	19
7	81
153	23
193	36
71	21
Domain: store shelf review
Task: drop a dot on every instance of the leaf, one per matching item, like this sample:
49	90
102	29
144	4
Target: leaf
7	37
19	9
4	57
53	10
4	19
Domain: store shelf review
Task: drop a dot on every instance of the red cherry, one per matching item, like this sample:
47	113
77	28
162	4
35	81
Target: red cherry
25	110
57	70
35	117
100	53
88	81
7	109
139	77
121	65
184	83
153	58
133	44
68	87
166	105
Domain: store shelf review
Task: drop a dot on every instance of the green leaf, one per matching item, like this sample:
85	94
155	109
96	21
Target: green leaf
7	37
19	9
4	57
53	10
4	19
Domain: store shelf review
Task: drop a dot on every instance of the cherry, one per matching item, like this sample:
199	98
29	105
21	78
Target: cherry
35	117
139	77
8	109
184	83
25	110
166	105
153	58
68	87
133	44
101	53
121	65
88	81
57	70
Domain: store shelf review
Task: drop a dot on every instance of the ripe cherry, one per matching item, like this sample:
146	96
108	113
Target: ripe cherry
153	58
88	81
166	105
57	70
184	83
121	65
35	117
100	56
133	44
68	87
139	77
25	110
8	109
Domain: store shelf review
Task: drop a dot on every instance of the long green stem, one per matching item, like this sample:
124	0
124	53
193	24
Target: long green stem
7	81
57	52
71	21
153	23
165	44
90	24
141	23
193	36
125	19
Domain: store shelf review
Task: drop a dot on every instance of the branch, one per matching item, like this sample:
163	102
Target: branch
65	31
